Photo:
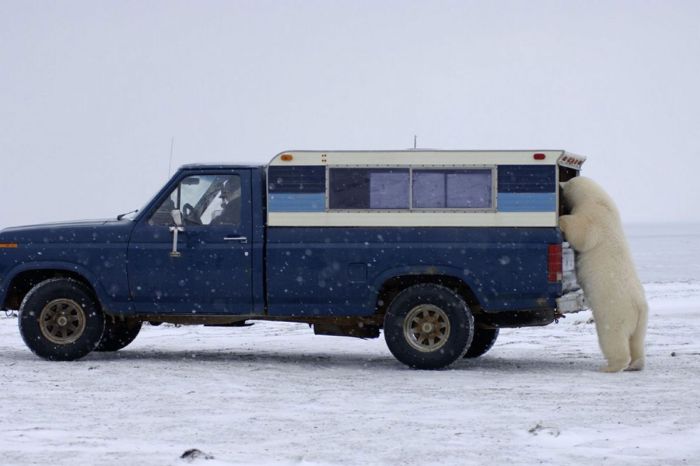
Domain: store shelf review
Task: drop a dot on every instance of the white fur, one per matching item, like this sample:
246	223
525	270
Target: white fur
606	273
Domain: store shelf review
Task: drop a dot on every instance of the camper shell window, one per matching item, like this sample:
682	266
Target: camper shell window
408	188
453	189
365	188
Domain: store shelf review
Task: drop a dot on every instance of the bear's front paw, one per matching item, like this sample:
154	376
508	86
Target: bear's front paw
564	223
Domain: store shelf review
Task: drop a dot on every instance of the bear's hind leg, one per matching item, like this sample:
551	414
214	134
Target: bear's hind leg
637	350
616	349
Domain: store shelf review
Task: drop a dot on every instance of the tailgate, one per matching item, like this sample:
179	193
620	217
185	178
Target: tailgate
572	299
568	268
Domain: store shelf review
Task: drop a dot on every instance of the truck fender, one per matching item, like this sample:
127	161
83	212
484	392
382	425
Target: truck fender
75	269
424	270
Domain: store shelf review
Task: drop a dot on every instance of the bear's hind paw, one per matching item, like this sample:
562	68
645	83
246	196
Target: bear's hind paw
636	365
612	369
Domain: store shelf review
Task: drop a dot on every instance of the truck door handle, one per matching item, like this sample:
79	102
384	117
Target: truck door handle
240	239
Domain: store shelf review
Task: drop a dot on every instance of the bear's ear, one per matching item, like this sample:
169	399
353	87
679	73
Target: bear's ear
562	184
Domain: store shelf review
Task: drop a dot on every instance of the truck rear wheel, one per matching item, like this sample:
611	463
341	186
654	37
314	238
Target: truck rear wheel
118	333
484	339
428	326
60	320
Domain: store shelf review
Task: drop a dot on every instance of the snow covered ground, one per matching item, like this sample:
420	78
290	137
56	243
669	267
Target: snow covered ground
276	394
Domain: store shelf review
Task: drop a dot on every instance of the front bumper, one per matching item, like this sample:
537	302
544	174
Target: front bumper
573	301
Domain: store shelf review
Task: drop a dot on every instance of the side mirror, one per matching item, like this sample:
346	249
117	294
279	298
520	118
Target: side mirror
177	217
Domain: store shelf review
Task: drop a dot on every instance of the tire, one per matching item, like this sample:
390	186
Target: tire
484	339
60	320
118	333
428	326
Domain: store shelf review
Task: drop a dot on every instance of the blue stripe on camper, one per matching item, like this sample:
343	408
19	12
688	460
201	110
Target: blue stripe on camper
527	202
526	179
302	202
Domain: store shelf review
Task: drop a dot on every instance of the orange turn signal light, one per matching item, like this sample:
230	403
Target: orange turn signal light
8	245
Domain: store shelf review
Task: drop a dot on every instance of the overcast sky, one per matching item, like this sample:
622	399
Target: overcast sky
91	93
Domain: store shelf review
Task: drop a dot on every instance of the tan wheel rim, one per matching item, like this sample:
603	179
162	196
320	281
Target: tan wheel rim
426	328
62	321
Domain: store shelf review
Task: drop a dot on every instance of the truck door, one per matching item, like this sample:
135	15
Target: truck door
210	272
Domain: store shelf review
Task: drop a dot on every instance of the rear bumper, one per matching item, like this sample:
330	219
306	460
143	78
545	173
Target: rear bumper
573	301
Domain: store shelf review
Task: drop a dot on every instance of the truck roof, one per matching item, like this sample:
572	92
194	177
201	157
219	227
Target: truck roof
428	157
220	165
409	157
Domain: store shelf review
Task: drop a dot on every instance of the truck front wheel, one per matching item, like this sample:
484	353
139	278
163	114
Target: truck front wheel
60	320
428	326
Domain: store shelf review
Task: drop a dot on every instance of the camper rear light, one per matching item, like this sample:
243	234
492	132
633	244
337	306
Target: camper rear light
538	156
554	263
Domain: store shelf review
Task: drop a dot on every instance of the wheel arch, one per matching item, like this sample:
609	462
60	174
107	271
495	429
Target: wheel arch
393	284
23	279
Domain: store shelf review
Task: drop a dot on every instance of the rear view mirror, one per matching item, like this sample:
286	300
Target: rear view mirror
191	181
177	217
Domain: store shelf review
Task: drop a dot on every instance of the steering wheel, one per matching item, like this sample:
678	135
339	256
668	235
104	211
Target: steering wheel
190	215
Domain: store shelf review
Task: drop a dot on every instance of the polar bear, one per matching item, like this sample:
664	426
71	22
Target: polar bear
606	273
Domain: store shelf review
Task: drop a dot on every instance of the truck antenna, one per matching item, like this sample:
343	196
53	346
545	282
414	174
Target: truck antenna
170	163
415	141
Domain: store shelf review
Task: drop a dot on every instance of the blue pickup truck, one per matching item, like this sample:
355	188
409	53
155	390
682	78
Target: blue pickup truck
439	249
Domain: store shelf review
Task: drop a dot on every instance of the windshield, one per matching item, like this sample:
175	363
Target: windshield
203	200
131	215
128	215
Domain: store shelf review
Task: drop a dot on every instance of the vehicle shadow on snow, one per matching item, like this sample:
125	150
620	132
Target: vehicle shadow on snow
488	363
529	364
262	357
350	360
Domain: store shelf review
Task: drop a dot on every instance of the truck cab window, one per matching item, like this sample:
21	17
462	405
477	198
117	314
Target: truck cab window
203	200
